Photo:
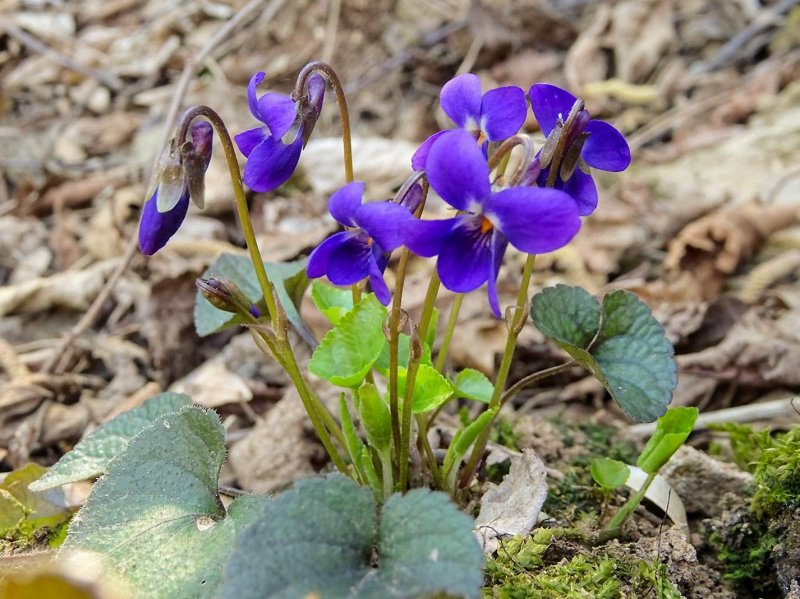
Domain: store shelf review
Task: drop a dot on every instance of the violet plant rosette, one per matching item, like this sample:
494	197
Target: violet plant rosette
374	230
273	148
493	116
157	227
470	247
593	143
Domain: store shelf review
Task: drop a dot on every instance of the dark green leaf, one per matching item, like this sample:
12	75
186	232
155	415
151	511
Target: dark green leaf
349	350
672	429
91	456
290	283
621	344
156	516
321	536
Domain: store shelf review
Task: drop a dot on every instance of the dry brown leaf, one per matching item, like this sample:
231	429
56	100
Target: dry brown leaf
585	61
642	32
512	507
708	250
70	289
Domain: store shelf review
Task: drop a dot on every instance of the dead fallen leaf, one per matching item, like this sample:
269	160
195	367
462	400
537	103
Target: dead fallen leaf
512	507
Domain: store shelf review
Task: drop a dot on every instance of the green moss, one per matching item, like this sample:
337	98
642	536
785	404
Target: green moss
747	536
524	568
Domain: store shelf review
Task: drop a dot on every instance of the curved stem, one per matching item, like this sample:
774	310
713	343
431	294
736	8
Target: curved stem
514	329
341	101
615	524
428	306
533	378
239	198
452	320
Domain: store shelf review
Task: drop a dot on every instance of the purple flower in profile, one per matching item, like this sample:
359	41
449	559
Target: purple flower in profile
493	116
470	246
361	251
273	149
176	180
593	144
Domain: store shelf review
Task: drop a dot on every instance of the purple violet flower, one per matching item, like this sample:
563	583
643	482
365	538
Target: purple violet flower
495	115
156	228
273	149
471	246
361	251
599	145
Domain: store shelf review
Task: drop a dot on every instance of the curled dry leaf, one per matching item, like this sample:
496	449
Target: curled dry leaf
714	246
512	507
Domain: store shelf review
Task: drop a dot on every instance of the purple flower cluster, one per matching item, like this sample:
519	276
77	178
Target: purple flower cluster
537	213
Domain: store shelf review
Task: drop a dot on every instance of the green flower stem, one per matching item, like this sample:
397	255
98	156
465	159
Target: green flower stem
615	524
386	473
341	101
452	320
534	378
422	426
394	322
405	423
514	329
428	306
311	404
239	197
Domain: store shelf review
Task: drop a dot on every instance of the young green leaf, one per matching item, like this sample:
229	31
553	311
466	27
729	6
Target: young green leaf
620	343
672	429
473	384
24	513
431	389
403	345
351	438
333	302
290	283
609	474
348	351
375	416
322	537
463	439
91	456
156	516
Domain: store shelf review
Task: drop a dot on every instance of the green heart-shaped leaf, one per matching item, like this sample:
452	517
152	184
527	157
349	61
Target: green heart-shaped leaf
620	343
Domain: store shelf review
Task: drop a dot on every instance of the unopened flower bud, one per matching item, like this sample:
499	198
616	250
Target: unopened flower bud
171	178
224	295
413	198
196	155
572	156
309	107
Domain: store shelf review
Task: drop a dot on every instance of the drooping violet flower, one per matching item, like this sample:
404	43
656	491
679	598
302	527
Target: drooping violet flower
470	247
273	149
165	211
493	116
589	143
362	251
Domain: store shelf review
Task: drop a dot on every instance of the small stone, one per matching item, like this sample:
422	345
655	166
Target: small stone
701	481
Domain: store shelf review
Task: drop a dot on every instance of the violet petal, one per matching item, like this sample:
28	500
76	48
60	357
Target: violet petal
461	100
427	237
156	228
466	257
278	112
247	140
344	203
605	148
421	155
534	220
252	96
349	263
457	170
385	222
498	247
271	163
379	287
503	112
548	102
583	190
318	260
